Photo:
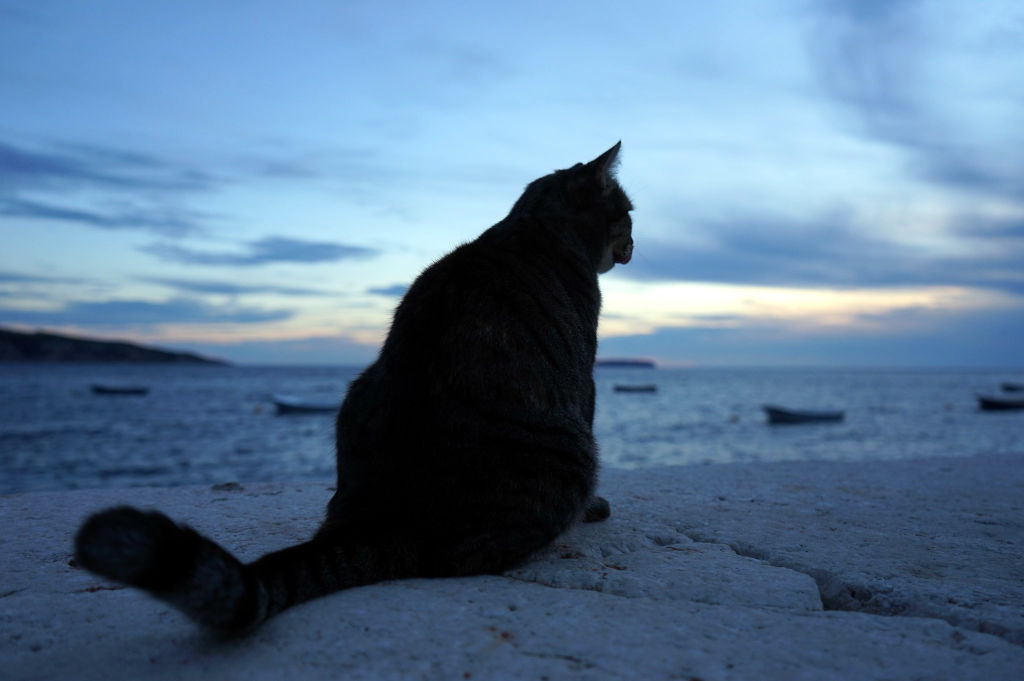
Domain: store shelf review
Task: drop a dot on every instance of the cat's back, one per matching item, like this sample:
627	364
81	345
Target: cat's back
508	300
501	327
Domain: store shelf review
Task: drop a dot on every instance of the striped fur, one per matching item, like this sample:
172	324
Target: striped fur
464	449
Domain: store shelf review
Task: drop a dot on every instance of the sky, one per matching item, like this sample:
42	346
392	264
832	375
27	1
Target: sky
828	183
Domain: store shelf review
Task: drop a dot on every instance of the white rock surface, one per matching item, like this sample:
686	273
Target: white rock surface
708	572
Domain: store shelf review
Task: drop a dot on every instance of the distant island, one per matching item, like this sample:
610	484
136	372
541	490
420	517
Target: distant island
52	347
626	363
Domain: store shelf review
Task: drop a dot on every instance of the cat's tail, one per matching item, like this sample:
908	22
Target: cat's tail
176	564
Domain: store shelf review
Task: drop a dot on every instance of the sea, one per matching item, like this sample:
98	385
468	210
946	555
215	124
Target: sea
201	424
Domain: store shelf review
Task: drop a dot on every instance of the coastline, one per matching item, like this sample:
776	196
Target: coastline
826	570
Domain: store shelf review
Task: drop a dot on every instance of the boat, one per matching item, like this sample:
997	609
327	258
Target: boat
642	388
290	404
784	415
1000	403
1009	387
101	389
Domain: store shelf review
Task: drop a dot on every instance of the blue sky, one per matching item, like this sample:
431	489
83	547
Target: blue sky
832	182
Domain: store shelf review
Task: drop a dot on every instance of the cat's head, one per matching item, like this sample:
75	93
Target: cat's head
588	200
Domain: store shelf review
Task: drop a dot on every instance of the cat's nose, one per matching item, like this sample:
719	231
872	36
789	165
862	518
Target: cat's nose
624	254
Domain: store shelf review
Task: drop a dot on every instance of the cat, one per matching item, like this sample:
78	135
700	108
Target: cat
465	448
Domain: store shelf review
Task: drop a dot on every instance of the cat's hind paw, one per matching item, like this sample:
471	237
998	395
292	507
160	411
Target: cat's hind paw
597	509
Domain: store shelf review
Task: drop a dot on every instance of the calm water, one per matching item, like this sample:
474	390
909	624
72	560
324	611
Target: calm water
202	424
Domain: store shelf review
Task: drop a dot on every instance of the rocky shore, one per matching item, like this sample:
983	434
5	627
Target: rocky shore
820	570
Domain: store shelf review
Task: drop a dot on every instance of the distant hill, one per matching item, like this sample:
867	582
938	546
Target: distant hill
52	347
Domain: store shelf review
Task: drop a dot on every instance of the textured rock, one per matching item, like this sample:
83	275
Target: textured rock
932	538
629	559
708	572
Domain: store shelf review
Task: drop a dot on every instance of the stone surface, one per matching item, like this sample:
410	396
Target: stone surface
932	538
630	558
708	572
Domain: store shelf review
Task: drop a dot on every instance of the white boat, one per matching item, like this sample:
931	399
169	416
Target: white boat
290	404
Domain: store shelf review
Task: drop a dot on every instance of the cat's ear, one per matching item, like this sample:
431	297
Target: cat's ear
602	168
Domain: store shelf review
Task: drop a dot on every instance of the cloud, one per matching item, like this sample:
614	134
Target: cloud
283	169
112	188
143	313
1007	230
14	278
16	286
232	289
264	251
289	161
827	251
169	223
945	87
986	339
322	350
770	251
80	165
461	66
396	290
100	187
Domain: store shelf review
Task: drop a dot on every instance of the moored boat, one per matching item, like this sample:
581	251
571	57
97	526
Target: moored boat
1010	387
290	404
784	415
1000	403
102	389
641	388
